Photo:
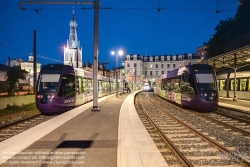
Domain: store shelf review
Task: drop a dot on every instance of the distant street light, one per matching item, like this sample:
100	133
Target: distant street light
120	53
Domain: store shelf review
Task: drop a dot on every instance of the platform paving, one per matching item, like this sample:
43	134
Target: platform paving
88	139
239	104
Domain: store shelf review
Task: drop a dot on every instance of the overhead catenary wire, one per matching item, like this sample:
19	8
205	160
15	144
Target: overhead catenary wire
29	53
107	27
204	25
13	40
14	32
12	48
36	10
150	38
151	35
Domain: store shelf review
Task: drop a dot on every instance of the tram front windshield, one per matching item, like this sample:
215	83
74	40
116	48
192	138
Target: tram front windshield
48	82
205	80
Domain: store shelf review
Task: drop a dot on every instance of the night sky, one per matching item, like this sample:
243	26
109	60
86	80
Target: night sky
137	26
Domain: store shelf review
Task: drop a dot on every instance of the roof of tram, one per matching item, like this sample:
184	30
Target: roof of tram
233	59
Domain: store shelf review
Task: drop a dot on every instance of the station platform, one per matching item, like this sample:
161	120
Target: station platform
243	105
114	136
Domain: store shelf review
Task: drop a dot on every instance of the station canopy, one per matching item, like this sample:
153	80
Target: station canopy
233	59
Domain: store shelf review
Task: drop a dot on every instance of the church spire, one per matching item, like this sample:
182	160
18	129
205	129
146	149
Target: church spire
73	41
73	14
73	51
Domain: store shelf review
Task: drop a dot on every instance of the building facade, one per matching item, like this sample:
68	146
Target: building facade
73	51
27	66
141	69
202	51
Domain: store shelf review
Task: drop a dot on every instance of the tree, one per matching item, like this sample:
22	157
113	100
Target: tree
13	75
231	33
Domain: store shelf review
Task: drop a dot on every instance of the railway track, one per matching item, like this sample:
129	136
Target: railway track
19	126
187	139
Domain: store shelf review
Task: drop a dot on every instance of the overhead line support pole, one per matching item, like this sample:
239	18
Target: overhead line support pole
116	76
34	63
235	68
95	57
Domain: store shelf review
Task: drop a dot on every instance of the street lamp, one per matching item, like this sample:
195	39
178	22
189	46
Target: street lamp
120	53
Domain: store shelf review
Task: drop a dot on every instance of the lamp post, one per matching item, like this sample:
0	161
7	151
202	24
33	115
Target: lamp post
120	53
135	76
29	80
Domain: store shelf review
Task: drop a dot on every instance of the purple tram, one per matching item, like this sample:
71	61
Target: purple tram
193	86
62	87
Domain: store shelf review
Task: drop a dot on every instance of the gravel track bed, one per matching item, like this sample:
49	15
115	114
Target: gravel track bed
197	151
19	127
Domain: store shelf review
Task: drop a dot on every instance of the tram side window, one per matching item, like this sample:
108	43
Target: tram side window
99	85
243	84
84	84
164	84
67	87
232	84
80	88
114	86
108	86
222	84
103	85
248	84
187	84
175	82
90	85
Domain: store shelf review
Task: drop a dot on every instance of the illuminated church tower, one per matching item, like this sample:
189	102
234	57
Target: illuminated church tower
73	52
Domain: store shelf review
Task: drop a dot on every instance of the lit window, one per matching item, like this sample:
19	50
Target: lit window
248	84
222	85
232	84
243	84
151	66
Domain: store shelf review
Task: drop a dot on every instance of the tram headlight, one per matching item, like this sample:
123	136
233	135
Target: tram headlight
208	96
50	97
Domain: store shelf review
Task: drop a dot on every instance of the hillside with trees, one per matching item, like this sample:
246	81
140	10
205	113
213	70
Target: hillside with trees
232	33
